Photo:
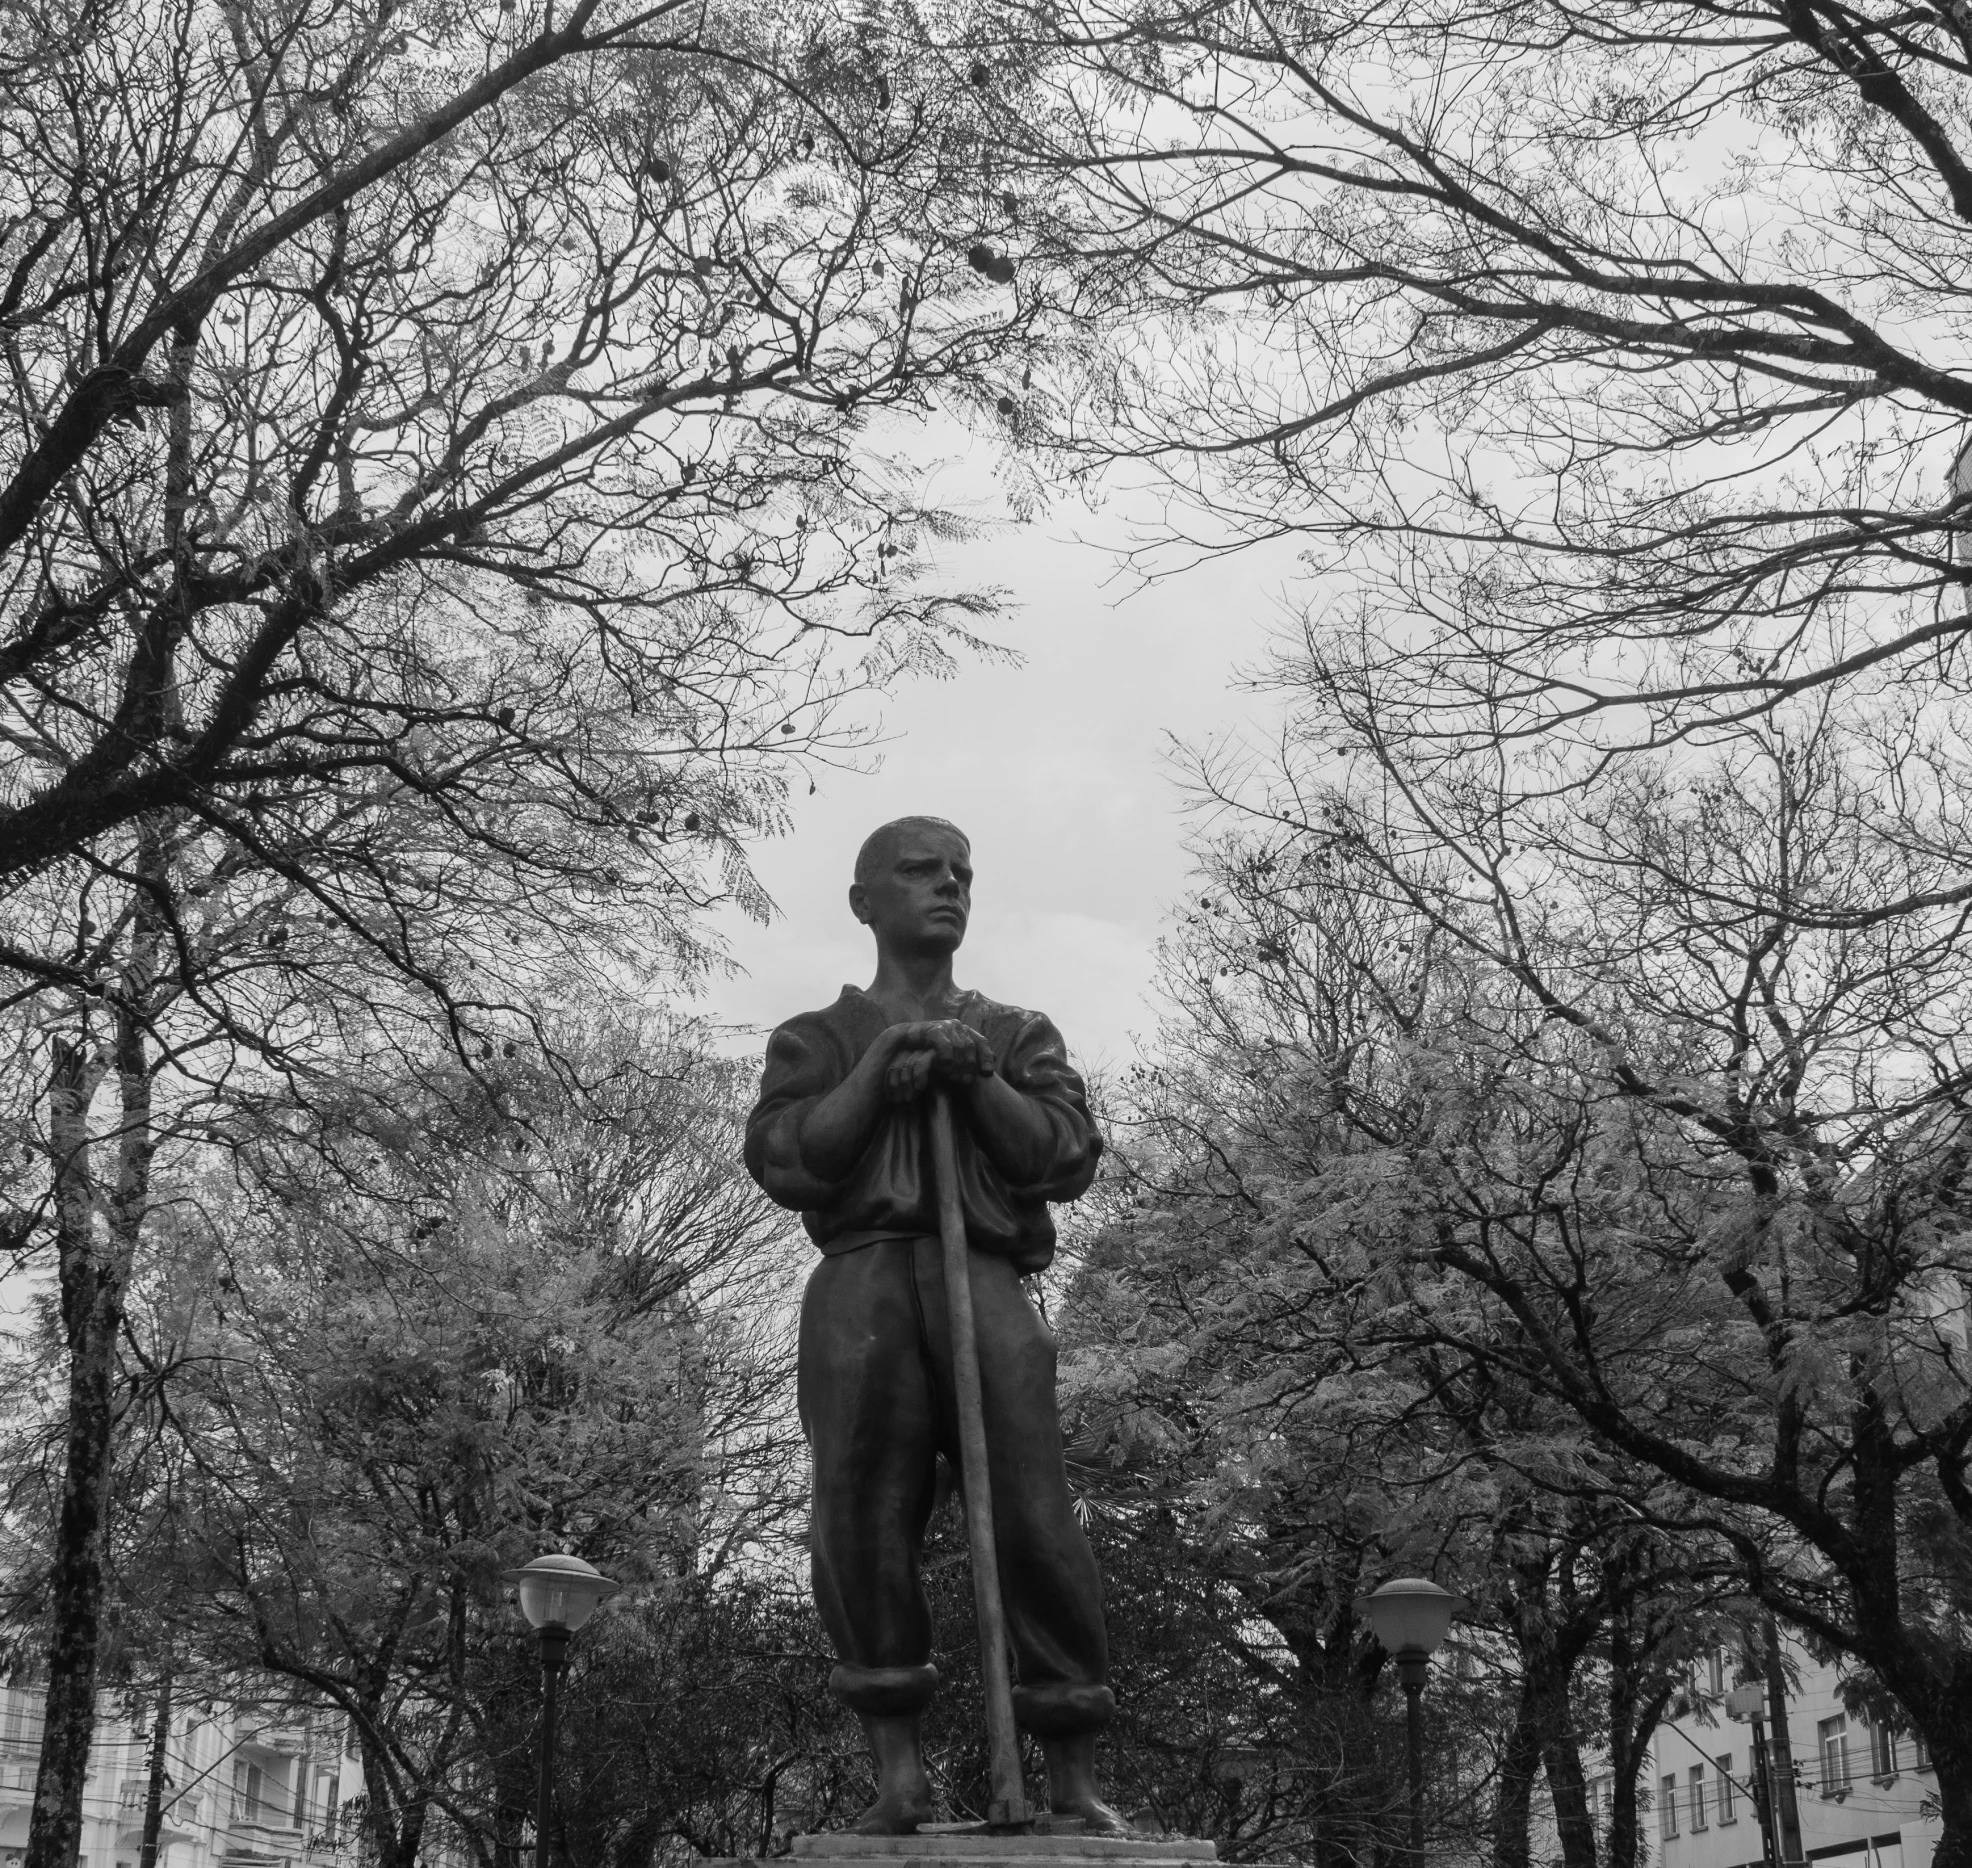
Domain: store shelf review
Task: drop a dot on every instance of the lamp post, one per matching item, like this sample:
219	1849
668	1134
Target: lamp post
1411	1617
557	1595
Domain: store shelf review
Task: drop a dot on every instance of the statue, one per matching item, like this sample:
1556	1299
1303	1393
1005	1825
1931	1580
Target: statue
850	1106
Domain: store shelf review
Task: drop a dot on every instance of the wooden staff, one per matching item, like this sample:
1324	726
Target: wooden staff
1008	1806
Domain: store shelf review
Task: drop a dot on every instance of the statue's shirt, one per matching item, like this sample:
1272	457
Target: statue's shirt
888	1194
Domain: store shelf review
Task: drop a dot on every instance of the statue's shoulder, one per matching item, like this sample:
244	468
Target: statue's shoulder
851	1016
993	1018
855	1019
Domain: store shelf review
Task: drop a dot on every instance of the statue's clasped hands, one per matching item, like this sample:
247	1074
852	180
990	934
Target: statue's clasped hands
939	1050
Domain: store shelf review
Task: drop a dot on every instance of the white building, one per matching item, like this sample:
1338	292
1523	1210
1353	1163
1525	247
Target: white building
246	1788
1867	1796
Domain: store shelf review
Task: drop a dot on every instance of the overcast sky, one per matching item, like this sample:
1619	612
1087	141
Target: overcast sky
1057	770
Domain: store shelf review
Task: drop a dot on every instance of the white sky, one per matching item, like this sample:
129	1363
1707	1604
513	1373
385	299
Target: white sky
1057	770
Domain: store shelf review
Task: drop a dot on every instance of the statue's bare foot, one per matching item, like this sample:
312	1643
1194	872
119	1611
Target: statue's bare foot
1072	1785
894	1814
1099	1818
903	1791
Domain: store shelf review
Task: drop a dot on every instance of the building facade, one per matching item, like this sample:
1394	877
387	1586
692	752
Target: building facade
1867	1796
245	1788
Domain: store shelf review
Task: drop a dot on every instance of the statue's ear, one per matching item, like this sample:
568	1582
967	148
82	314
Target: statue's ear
859	902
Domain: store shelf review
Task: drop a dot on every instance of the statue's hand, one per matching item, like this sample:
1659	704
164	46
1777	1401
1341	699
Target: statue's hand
941	1050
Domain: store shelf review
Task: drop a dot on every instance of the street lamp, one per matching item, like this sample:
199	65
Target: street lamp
557	1595
1411	1617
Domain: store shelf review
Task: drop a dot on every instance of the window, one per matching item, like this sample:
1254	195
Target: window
1882	1752
249	1791
1667	1807
1920	1753
1697	1798
1727	1813
1833	1741
1718	1670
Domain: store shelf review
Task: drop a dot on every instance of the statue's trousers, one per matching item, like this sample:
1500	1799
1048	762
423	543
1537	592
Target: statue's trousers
877	1407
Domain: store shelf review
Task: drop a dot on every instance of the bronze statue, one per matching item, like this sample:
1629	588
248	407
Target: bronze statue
843	1131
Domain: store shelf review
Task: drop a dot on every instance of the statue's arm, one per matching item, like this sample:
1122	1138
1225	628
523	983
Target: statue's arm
804	1071
1013	1130
836	1128
1031	1119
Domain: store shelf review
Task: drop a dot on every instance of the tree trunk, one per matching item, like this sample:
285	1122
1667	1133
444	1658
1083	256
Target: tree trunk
1338	1688
1632	1719
95	1241
1573	1823
1947	1731
396	1844
91	1313
1513	1802
1551	1632
1954	1848
509	1834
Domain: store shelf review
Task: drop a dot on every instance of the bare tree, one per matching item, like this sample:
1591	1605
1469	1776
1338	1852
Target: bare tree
1248	1339
386	1346
1611	361
448	497
474	408
1674	1147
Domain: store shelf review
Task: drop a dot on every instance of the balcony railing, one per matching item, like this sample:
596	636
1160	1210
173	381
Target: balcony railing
243	1813
286	1740
180	1808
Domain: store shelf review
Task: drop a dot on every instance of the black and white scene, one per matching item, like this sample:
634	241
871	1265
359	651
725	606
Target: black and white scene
985	933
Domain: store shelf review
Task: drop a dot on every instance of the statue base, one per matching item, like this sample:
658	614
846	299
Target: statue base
972	1845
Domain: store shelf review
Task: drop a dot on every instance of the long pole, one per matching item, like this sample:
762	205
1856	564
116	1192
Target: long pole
1008	1805
554	1651
1763	1801
147	1849
1411	1669
1780	1753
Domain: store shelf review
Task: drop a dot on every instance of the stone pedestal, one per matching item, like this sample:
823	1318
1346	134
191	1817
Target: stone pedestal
972	1845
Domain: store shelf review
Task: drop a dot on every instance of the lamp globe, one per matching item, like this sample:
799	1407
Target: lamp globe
1410	1615
559	1591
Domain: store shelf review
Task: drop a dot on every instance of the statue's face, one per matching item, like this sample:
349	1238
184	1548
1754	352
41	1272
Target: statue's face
920	897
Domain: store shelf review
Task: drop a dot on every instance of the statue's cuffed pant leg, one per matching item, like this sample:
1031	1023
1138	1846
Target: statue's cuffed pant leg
884	1692
867	1407
1062	1708
877	1405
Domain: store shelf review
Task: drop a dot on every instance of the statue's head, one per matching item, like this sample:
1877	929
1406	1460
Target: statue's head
913	887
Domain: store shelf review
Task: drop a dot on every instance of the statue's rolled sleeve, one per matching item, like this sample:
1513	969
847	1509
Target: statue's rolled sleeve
802	1067
1036	1064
